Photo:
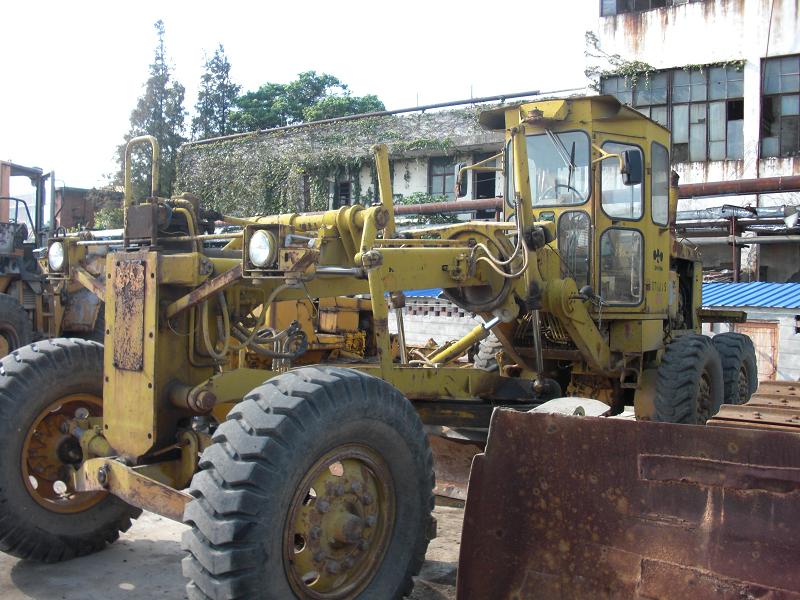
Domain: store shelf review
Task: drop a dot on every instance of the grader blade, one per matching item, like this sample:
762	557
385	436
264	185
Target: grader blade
592	507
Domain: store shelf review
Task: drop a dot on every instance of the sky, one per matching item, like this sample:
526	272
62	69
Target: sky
72	71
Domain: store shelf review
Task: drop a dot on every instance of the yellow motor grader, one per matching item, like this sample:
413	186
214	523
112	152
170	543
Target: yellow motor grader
316	481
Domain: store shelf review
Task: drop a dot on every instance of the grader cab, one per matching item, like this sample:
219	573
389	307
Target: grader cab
317	481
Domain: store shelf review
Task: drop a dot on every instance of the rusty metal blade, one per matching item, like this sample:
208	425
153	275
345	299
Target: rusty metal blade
451	463
587	507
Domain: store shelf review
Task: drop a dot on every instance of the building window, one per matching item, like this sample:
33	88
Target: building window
441	177
617	7
780	107
704	109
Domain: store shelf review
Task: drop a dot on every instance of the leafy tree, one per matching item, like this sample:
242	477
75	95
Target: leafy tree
341	106
311	96
159	112
216	98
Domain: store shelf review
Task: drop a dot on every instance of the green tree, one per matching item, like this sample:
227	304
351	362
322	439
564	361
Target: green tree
159	112
215	99
309	97
341	106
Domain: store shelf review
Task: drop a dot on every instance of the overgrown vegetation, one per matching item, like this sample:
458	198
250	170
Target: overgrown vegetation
295	170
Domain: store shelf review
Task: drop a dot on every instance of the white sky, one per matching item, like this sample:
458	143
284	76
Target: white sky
72	71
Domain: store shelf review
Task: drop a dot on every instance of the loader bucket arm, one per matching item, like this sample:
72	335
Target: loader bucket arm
593	507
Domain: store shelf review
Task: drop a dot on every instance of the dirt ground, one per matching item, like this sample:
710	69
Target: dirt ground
145	563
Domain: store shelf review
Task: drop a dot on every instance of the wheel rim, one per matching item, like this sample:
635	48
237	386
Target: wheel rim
744	386
703	399
9	340
340	523
48	455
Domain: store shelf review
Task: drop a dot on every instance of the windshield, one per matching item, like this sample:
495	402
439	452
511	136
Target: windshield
558	166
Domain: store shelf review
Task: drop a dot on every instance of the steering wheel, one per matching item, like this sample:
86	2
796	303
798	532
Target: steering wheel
555	187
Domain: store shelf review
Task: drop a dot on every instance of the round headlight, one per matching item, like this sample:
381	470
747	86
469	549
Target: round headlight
261	249
55	256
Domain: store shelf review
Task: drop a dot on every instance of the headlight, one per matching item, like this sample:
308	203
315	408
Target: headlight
261	249
55	256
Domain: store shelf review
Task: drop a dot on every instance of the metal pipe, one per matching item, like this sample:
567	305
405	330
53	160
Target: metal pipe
760	239
456	206
739	187
166	238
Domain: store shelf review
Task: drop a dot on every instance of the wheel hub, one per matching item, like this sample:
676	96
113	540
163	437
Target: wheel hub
339	524
49	454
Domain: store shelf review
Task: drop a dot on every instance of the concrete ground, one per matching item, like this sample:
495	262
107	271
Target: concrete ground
145	563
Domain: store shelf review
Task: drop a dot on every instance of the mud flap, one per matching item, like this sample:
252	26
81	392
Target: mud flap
590	507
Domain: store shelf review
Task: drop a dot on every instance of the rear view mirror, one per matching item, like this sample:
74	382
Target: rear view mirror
631	167
461	180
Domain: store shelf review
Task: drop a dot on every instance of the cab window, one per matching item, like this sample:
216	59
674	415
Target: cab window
620	201
659	186
621	253
574	236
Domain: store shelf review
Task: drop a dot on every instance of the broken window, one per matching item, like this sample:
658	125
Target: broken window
703	107
780	107
441	177
618	7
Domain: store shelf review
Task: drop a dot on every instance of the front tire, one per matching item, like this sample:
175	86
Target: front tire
318	485
689	388
739	369
41	386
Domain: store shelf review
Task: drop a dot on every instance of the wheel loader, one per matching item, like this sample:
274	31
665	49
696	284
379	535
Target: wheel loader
316	481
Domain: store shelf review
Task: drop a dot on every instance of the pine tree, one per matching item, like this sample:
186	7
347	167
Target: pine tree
159	112
215	99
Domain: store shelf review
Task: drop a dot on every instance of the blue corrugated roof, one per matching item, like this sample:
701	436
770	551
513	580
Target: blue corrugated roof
756	294
431	293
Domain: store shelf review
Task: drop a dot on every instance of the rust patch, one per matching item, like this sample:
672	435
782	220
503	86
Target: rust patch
129	314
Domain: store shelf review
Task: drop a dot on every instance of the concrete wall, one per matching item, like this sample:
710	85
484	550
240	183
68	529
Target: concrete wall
788	341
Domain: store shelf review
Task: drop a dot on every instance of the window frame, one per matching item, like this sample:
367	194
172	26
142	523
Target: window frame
590	182
600	266
451	194
670	106
764	97
652	182
666	4
590	248
644	168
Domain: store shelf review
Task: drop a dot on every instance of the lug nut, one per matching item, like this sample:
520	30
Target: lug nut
348	563
370	521
366	499
323	506
338	490
363	545
315	532
319	556
356	486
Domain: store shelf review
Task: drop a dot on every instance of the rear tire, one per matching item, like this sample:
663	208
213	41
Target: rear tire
40	386
739	369
247	540
15	325
690	385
